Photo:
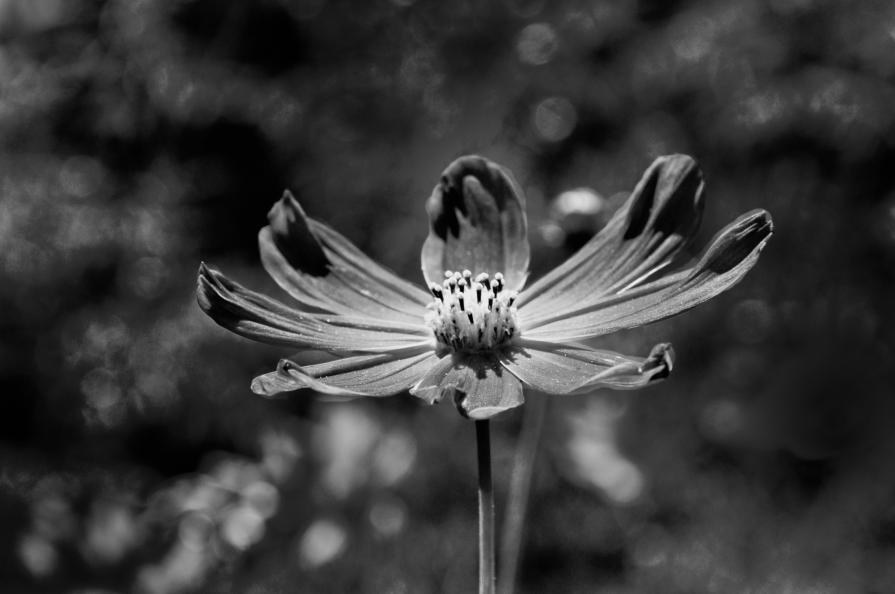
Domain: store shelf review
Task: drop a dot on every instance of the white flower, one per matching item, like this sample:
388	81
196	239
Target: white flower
477	334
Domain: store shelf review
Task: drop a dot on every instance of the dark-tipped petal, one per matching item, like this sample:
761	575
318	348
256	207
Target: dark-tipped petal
661	215
261	318
729	257
325	272
362	375
479	385
569	369
476	222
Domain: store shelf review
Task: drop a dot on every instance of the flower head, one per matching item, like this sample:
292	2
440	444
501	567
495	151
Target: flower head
478	334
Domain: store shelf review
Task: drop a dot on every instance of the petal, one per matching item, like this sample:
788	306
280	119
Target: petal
575	368
476	222
362	375
730	256
659	218
261	318
326	272
480	386
428	388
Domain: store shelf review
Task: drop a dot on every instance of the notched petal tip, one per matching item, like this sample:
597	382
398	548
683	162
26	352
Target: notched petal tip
476	221
669	198
209	283
736	243
285	211
659	363
274	384
491	178
223	299
226	302
291	234
204	270
200	297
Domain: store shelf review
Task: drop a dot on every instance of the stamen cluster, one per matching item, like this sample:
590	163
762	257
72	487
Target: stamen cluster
472	314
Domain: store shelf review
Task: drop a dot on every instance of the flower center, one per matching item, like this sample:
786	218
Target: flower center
472	314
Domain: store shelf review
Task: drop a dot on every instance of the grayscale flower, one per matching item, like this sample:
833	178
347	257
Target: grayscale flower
477	334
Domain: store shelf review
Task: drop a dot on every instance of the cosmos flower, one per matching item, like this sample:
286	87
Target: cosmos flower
479	334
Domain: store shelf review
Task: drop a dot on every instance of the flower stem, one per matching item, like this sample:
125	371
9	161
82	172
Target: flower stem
487	576
520	487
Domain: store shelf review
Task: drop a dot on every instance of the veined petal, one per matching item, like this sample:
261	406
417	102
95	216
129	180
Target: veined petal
325	272
569	369
476	222
730	256
428	388
362	375
661	215
261	318
480	386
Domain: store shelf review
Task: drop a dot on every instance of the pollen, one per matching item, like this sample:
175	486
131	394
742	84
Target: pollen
472	314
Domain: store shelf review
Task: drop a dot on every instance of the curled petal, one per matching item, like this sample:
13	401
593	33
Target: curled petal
325	272
731	254
362	375
261	318
575	368
480	386
476	222
661	215
277	382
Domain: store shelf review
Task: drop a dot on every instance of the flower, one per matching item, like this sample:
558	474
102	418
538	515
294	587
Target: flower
477	335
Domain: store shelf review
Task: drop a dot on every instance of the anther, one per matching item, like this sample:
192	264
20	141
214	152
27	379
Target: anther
498	282
469	315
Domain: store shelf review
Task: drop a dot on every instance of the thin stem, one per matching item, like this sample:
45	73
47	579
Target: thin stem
520	487
487	577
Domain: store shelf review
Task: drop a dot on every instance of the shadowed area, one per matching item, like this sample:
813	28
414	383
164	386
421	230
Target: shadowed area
294	238
477	222
138	139
671	197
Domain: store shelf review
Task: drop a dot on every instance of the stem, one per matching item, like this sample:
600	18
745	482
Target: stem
487	577
529	439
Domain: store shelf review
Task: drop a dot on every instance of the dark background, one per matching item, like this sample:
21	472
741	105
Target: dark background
139	137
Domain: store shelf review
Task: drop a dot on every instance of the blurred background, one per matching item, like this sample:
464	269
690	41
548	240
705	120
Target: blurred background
139	137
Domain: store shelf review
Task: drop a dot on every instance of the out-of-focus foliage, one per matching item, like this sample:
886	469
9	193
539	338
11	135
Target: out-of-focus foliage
138	137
